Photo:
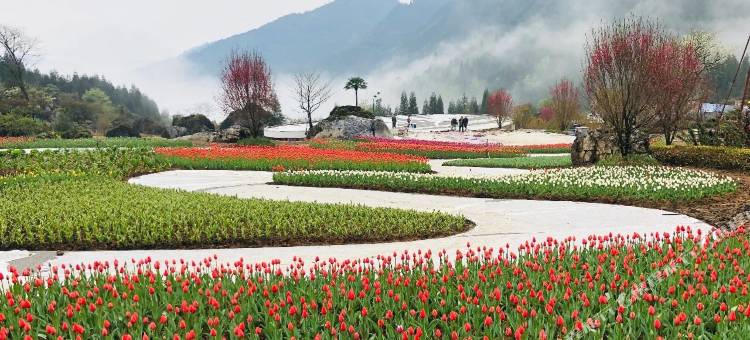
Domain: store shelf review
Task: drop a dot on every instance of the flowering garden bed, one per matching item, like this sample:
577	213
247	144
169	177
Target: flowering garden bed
542	162
77	200
119	142
454	150
679	285
591	183
289	157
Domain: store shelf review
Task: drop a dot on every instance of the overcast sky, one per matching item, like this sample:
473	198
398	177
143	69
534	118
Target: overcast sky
114	37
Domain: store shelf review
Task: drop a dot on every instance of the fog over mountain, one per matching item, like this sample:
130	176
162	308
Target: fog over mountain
447	46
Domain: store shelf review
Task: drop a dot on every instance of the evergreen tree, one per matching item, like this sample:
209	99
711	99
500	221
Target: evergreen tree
433	109
451	108
403	109
426	108
463	105
483	108
473	106
440	109
413	106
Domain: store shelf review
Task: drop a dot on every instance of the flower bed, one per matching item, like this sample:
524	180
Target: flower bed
99	213
118	142
645	183
438	150
286	157
76	200
541	162
724	158
683	284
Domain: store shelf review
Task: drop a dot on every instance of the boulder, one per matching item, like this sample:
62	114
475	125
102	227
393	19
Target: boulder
174	132
741	219
350	127
231	134
591	146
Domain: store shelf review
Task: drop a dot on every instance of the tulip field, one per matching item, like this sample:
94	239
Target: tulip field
454	150
119	142
289	157
636	182
542	162
78	200
684	284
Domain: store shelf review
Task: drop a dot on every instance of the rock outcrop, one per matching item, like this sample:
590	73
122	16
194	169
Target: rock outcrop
741	219
229	135
350	127
591	146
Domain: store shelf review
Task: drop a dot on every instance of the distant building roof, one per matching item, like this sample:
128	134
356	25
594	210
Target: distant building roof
715	108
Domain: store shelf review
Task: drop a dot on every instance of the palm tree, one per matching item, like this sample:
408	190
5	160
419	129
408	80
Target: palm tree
357	84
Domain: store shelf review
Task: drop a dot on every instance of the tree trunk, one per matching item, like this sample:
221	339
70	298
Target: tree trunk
309	120
356	97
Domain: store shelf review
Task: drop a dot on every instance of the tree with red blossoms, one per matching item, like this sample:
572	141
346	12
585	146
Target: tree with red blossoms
546	114
564	103
679	83
247	88
500	105
619	77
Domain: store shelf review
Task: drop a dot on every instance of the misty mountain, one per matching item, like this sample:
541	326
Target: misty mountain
458	46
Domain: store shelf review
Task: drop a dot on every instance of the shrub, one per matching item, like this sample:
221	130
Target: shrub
343	111
123	131
194	123
716	157
17	126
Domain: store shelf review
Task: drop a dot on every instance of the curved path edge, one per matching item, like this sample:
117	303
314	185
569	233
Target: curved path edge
499	222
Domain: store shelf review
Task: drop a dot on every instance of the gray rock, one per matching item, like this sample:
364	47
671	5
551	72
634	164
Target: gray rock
176	131
591	146
740	219
350	127
231	134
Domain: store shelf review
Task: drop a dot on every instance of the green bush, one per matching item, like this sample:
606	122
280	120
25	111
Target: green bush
344	111
194	123
18	126
716	157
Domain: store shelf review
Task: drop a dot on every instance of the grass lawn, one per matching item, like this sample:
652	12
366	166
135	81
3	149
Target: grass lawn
541	162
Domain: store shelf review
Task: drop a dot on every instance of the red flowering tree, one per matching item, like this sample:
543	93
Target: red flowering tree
619	76
247	88
564	103
546	114
678	74
500	105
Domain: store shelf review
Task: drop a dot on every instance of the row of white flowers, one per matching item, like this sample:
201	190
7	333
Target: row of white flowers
640	178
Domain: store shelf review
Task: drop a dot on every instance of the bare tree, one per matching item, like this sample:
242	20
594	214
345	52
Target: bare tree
17	49
247	88
311	93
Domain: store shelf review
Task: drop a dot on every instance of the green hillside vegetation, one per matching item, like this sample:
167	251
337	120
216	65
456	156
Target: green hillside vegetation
74	107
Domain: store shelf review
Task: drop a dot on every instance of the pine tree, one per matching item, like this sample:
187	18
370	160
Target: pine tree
440	109
473	106
433	104
483	108
413	108
426	108
403	109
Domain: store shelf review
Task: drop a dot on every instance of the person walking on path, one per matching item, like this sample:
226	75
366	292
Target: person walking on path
393	121
466	123
454	122
461	124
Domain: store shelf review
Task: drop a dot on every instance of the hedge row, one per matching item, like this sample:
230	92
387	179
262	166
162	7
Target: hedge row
724	158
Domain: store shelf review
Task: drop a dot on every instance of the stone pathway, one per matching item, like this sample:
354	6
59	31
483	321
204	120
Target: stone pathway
498	222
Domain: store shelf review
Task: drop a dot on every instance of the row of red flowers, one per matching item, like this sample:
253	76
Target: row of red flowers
679	285
444	149
14	140
293	157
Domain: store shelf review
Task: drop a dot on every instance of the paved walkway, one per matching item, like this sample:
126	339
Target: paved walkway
498	222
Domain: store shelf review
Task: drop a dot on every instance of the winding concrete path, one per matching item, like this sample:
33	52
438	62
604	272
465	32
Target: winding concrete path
498	222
